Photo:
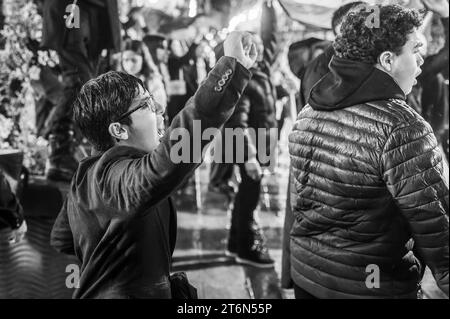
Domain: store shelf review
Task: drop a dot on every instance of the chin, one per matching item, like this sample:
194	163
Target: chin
408	92
408	89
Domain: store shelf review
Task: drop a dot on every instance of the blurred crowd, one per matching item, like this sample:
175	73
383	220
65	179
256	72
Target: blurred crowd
172	70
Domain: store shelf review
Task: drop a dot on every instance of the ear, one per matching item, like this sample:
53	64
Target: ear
118	131
386	60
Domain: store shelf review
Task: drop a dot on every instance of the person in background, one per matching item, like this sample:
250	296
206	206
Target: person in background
255	110
158	47
286	86
79	49
367	174
432	83
137	61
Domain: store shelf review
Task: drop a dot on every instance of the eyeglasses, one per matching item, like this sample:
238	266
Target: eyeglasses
149	103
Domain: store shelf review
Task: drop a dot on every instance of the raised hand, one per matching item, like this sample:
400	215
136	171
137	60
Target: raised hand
440	7
241	46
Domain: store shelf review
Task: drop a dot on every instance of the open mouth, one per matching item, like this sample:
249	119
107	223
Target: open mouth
161	133
417	75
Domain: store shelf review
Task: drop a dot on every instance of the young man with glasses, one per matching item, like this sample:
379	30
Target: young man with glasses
118	218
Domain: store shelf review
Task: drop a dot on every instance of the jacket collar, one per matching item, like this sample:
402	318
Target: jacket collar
350	83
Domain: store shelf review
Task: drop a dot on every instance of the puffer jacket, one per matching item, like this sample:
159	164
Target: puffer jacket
367	176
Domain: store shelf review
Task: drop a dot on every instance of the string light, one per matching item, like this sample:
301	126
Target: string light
192	8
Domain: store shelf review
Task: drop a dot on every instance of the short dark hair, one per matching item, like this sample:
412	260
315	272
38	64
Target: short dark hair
100	102
342	11
359	42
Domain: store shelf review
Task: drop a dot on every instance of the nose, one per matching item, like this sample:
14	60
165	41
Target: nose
160	109
160	122
420	60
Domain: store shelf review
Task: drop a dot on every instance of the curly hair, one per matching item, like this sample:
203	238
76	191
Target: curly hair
363	43
341	12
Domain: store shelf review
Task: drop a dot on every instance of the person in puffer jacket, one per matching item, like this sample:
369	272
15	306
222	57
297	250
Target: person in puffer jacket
367	173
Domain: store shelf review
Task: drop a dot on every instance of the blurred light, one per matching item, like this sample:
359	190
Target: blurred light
236	20
209	36
250	15
253	14
192	8
223	33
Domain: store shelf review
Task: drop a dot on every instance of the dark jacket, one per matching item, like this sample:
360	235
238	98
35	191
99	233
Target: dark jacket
367	175
256	109
118	218
308	76
99	26
11	213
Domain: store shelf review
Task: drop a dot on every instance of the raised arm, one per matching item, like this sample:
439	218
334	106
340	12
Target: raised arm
413	172
149	179
239	119
178	62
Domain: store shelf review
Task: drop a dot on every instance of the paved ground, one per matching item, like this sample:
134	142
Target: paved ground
203	233
202	238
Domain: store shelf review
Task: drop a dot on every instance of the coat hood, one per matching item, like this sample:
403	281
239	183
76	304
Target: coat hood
350	83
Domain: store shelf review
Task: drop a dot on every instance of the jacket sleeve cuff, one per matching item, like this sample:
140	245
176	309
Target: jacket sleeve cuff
222	88
241	75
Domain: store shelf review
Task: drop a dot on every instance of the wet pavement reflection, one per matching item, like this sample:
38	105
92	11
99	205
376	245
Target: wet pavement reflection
203	226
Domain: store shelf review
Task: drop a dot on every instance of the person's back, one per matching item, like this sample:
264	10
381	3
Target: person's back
318	67
367	173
